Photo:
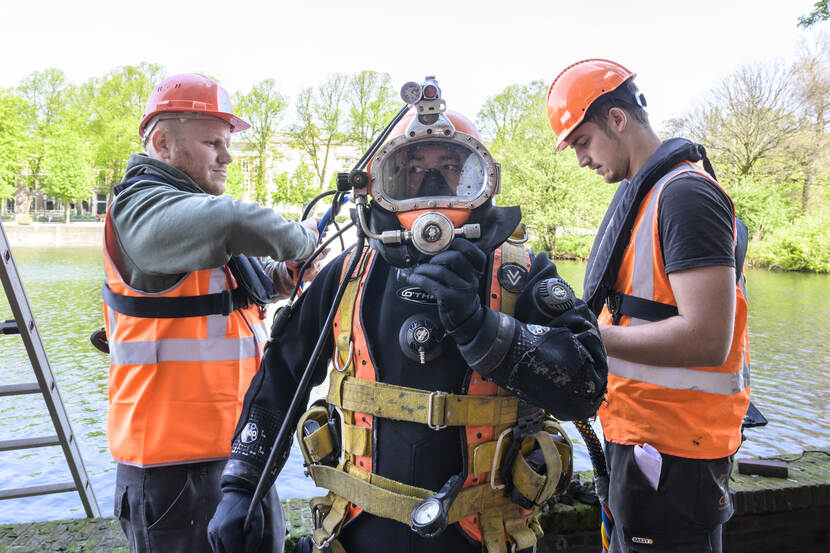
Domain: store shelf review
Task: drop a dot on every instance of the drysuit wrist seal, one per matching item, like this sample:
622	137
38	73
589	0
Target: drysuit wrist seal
240	474
489	347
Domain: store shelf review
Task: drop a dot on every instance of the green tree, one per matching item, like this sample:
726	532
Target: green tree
263	107
372	105
747	117
820	13
13	142
321	123
557	197
297	188
112	107
45	93
504	116
67	171
235	183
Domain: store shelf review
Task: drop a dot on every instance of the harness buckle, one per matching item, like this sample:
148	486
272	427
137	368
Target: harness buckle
429	410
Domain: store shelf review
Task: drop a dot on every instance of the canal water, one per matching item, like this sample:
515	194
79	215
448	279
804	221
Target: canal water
789	323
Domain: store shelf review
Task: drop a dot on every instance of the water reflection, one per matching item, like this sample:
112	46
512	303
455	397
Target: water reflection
789	333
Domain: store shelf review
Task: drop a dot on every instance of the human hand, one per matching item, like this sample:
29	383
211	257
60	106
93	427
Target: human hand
225	529
453	278
311	224
312	270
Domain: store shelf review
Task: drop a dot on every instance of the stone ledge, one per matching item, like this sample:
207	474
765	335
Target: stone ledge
768	515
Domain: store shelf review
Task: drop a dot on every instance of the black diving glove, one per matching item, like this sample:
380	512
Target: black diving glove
225	532
453	277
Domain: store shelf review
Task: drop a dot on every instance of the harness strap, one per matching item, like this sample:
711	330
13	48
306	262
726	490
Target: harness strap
420	406
344	335
516	254
391	499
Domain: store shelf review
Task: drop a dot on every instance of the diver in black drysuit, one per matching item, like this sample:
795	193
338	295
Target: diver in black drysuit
562	371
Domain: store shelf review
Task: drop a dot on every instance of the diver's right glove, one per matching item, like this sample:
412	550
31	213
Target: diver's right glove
453	277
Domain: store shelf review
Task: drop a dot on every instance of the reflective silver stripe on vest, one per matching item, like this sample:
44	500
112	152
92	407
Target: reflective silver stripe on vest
642	280
678	378
182	350
217	325
260	332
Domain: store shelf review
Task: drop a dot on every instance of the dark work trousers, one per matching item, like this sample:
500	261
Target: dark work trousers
685	514
167	509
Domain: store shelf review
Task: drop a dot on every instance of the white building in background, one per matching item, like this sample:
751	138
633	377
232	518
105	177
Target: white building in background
284	158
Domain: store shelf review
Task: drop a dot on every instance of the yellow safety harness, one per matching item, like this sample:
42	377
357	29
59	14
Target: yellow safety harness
353	486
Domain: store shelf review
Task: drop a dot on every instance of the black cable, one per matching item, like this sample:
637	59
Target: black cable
803	453
361	163
316	199
313	255
302	387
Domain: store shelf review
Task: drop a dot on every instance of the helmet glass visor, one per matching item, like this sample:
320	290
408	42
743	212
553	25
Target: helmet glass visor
432	169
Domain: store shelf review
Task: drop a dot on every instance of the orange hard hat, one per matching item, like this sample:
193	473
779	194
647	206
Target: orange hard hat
577	87
191	93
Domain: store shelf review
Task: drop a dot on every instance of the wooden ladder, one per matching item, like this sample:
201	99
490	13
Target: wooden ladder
24	325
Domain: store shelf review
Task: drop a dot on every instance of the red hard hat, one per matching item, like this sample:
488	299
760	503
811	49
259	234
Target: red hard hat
575	89
191	93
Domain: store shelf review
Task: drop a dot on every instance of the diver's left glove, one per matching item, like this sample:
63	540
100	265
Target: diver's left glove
453	277
225	529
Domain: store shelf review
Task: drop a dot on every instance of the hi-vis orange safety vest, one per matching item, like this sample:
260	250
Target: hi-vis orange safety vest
176	384
693	412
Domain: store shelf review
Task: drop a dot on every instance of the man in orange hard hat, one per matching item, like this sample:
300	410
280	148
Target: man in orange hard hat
662	278
185	295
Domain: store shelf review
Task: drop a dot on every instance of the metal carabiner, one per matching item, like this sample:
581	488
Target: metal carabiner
348	364
495	459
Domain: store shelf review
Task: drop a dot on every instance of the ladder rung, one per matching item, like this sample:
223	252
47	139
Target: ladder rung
26	443
14	493
9	326
19	389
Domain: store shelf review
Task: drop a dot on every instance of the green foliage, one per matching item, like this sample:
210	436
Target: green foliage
235	183
66	168
321	123
557	197
820	12
801	246
372	104
263	107
112	108
13	141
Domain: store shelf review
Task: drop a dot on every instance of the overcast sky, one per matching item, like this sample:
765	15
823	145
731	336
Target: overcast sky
679	50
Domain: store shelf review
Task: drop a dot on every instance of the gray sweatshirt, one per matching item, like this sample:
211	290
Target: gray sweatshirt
163	231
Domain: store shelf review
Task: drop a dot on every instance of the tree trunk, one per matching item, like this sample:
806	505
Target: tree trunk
807	189
22	201
66	210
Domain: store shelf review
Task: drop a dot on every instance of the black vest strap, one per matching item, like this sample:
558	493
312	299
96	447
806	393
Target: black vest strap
220	303
639	308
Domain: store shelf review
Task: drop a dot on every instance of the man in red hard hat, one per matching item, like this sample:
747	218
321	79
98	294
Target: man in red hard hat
185	295
662	278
